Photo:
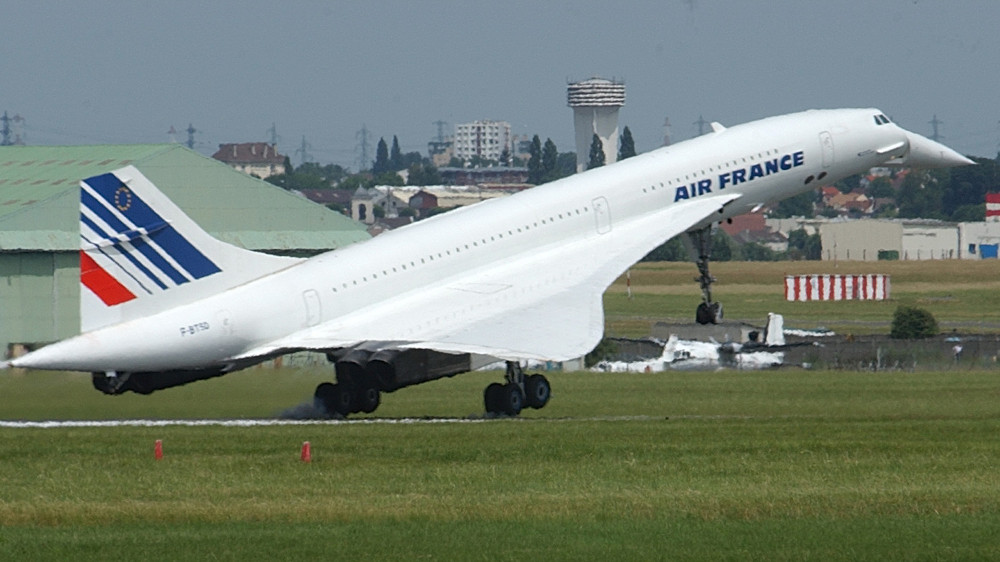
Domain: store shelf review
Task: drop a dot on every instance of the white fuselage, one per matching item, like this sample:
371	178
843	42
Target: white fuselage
763	162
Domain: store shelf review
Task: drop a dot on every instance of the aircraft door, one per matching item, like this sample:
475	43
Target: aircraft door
602	213
314	310
826	143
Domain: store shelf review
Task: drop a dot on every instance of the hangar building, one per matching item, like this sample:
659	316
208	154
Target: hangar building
40	209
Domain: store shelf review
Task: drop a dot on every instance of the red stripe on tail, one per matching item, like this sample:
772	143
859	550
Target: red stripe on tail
101	283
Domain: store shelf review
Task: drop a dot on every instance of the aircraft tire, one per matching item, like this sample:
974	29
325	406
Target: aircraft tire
538	391
513	399
702	315
323	397
708	313
368	398
342	400
493	399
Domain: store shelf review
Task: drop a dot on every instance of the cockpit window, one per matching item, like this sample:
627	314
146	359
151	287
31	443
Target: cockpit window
881	119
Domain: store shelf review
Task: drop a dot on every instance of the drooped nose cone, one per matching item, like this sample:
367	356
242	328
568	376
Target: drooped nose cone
925	153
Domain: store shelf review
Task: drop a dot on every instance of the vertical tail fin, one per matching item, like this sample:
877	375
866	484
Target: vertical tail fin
140	254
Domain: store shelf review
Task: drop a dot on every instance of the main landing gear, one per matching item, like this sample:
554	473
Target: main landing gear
699	243
363	376
347	399
520	391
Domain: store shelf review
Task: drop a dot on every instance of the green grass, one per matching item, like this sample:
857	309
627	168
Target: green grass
961	295
773	465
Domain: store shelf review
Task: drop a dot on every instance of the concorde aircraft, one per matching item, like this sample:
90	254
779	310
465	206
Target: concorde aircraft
515	279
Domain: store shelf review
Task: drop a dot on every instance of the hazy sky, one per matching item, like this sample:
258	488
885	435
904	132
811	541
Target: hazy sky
92	72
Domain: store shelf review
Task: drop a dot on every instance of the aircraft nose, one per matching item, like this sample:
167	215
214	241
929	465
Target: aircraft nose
926	153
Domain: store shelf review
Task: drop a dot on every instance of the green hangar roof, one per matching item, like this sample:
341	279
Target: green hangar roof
40	201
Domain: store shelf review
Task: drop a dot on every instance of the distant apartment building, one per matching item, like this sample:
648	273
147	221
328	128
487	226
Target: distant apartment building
252	158
485	139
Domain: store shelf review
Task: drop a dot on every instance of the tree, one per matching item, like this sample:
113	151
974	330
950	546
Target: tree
970	213
596	159
389	178
722	249
968	185
566	164
550	161
626	146
395	156
671	250
505	158
799	206
814	247
921	195
754	251
881	187
423	174
910	322
535	170
381	164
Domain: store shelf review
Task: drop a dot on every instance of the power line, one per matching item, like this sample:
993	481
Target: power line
190	131
273	133
934	123
701	125
363	148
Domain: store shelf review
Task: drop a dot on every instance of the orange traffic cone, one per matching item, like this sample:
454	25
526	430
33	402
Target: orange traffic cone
306	452
158	450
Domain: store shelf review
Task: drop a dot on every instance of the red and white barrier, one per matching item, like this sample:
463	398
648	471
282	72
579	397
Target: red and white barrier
836	287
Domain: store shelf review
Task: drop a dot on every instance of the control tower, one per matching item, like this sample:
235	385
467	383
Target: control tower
595	104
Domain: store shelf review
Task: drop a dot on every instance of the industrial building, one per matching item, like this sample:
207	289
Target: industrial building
908	239
595	104
40	210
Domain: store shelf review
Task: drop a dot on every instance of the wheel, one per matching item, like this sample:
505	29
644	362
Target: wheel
708	313
512	399
333	398
323	397
368	399
342	400
493	399
537	392
703	315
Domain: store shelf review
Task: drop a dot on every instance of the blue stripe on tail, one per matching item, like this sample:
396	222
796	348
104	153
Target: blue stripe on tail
117	195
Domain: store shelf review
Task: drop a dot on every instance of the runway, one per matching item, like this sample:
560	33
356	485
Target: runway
58	424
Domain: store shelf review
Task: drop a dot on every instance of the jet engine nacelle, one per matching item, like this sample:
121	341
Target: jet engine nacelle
146	383
392	369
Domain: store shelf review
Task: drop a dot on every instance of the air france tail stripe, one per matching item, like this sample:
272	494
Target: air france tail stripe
117	197
101	283
104	236
158	259
124	249
96	235
124	252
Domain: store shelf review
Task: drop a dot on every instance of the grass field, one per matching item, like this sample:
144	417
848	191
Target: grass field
961	295
768	465
772	465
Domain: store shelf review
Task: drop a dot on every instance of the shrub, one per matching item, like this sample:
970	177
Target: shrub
910	323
